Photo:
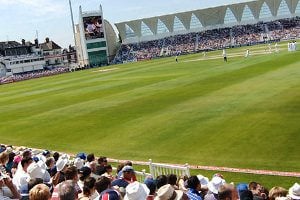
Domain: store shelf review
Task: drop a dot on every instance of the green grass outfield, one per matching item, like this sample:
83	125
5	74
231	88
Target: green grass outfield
244	113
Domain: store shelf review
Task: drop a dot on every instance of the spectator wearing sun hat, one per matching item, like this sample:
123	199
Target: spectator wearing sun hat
294	192
167	192
38	170
61	166
213	187
204	182
136	191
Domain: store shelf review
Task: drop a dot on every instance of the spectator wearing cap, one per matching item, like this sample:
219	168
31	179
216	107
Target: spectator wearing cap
83	174
81	155
46	153
136	191
150	183
126	178
294	192
89	191
241	187
40	192
194	187
119	172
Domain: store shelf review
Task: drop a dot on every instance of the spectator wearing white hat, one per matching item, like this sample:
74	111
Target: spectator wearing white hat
294	192
61	166
136	191
38	170
213	187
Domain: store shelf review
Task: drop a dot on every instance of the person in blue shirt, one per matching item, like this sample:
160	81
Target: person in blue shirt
194	187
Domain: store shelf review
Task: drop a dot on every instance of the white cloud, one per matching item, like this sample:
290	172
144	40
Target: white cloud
37	8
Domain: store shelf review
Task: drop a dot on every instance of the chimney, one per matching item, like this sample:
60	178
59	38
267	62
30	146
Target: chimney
47	40
23	42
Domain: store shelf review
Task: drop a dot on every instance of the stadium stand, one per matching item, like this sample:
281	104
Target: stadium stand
230	37
31	75
22	168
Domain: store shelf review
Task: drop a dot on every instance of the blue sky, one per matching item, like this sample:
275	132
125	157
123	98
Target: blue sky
51	18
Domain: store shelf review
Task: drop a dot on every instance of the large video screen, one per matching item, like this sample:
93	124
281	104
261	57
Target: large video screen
93	27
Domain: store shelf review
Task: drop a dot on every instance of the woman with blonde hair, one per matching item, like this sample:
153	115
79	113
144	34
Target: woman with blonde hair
277	192
40	192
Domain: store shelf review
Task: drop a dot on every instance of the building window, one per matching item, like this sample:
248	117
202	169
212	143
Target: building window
96	45
97	58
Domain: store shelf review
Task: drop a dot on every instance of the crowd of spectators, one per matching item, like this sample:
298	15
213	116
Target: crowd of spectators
31	75
240	35
44	175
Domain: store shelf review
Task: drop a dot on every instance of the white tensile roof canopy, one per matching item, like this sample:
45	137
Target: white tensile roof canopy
209	18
